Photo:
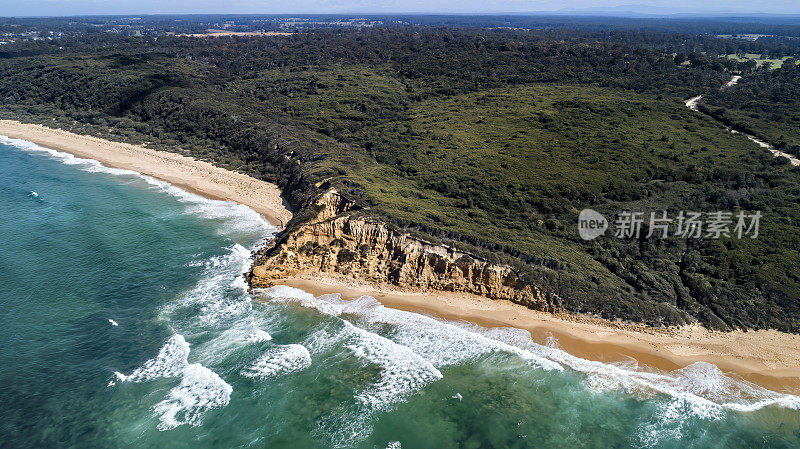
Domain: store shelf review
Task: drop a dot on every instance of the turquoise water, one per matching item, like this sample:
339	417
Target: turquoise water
126	323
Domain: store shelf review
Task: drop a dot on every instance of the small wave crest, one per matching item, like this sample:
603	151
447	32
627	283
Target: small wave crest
171	361
219	296
707	390
200	388
404	370
235	218
280	360
442	343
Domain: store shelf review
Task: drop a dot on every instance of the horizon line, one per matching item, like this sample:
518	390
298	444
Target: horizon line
577	13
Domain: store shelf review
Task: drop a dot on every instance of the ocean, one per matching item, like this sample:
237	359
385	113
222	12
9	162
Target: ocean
126	323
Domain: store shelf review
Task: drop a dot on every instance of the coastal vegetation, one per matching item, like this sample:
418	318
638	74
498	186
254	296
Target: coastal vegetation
489	140
760	60
765	104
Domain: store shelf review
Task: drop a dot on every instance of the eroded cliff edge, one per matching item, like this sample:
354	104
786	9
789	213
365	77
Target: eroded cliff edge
336	241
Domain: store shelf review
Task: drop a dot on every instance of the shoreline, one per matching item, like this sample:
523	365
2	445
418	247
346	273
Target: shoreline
767	358
195	176
763	357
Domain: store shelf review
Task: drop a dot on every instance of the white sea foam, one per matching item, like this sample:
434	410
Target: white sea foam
220	294
258	336
218	299
442	343
200	389
280	360
671	417
243	333
235	217
171	361
402	370
702	386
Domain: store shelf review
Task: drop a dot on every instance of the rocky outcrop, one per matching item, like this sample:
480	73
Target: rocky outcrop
367	250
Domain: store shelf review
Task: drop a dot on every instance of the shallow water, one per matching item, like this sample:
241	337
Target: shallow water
194	362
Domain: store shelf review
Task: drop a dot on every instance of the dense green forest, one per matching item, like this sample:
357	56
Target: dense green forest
491	140
765	104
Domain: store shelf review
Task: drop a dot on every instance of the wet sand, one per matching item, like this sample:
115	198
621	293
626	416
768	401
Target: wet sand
188	173
767	358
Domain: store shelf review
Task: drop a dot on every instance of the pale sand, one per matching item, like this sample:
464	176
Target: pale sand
196	176
767	358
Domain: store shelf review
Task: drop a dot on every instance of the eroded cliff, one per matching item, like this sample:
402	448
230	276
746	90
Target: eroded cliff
335	241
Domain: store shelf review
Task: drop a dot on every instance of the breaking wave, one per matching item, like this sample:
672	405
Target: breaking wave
408	349
234	217
199	391
220	296
702	387
279	360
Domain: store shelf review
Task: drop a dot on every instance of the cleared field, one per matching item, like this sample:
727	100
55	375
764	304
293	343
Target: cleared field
760	60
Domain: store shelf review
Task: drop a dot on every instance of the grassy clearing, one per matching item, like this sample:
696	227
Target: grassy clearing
774	63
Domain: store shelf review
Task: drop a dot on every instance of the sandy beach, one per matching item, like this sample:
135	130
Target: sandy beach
193	175
767	358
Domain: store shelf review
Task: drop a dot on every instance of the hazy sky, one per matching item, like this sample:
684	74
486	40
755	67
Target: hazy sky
71	7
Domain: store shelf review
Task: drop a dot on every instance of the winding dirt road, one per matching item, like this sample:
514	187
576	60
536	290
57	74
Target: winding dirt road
692	104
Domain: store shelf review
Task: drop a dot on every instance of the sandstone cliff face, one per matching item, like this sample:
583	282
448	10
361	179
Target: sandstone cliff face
367	250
